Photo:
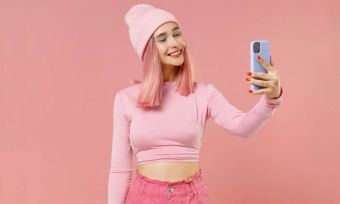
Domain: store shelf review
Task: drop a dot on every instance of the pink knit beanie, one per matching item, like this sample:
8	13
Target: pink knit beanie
143	20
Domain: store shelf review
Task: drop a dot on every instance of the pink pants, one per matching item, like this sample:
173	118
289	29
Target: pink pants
144	190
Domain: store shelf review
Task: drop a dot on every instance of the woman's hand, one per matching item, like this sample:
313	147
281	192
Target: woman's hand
270	81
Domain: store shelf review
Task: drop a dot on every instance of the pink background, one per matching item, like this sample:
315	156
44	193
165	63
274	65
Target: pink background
61	63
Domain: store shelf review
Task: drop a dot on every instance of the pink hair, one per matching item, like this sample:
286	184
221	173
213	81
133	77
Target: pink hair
151	94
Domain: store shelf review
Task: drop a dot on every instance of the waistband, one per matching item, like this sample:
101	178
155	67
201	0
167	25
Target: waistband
164	189
196	176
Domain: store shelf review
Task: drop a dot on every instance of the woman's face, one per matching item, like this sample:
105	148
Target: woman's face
169	39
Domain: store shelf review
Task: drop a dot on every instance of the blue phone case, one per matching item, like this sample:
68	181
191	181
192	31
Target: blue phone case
258	47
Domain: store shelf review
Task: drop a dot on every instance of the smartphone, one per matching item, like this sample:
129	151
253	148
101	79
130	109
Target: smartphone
262	48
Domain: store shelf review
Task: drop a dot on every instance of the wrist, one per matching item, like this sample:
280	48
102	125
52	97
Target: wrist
281	90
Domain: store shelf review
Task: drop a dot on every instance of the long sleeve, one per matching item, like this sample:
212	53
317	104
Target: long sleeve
236	121
121	156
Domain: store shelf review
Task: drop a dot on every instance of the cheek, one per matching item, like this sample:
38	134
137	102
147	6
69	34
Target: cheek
161	50
181	41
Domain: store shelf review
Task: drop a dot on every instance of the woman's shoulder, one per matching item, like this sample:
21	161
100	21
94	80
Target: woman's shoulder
130	91
204	87
133	91
131	88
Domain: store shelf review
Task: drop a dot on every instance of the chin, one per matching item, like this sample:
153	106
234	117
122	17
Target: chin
175	62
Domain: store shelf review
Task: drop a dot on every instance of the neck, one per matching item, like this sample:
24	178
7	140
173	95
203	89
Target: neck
170	72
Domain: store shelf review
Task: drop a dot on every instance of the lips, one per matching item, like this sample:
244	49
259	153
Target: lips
176	52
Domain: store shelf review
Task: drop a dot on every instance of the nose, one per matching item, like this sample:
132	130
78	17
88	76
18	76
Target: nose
173	42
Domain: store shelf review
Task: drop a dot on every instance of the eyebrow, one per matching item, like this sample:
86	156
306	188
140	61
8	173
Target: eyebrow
165	33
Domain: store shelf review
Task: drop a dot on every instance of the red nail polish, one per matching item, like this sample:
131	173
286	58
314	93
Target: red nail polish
250	91
249	73
248	79
258	57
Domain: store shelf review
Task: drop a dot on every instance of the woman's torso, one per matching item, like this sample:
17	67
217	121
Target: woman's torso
185	134
169	171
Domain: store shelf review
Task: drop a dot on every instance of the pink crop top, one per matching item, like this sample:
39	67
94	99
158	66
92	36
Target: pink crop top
173	131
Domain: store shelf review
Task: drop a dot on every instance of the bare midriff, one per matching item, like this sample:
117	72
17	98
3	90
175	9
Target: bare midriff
169	171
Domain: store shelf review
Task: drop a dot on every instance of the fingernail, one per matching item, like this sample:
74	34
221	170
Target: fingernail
249	73
250	91
258	57
248	79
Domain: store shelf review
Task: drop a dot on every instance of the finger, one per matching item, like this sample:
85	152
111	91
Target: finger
262	83
261	91
263	76
263	62
271	61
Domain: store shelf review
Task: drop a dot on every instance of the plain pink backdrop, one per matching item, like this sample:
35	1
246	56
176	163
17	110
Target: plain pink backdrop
61	62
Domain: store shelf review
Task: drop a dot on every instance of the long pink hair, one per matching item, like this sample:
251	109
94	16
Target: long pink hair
151	94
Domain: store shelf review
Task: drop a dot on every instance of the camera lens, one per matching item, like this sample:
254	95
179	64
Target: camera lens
256	47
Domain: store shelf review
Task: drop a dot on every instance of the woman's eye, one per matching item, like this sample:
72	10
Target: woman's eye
175	35
178	34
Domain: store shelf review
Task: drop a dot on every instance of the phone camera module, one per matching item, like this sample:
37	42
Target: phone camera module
256	47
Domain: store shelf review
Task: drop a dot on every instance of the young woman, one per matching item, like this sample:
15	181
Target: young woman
162	118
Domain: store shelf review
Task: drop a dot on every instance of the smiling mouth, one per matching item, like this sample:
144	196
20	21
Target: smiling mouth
175	54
